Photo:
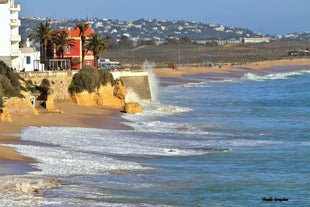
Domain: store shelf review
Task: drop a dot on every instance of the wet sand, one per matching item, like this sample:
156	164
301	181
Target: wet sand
102	117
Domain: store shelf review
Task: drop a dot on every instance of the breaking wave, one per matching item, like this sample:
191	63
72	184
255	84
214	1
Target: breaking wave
273	76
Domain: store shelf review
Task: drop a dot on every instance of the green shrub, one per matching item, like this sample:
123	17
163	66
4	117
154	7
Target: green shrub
7	87
106	77
11	75
9	81
1	98
44	86
89	79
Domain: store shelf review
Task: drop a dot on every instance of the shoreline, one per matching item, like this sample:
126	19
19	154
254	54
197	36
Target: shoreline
226	68
110	118
73	116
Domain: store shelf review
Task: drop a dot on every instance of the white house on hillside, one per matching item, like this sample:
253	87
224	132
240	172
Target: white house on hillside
9	33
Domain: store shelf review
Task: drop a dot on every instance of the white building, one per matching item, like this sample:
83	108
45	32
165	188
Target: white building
255	39
29	60
9	33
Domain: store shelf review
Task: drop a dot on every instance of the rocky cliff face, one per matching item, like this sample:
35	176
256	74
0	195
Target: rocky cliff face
132	108
111	96
104	96
18	107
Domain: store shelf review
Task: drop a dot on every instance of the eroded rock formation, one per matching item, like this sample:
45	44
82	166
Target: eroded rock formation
132	108
112	96
18	107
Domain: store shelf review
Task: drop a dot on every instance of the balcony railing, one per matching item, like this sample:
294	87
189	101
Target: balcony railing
15	52
16	38
15	22
15	7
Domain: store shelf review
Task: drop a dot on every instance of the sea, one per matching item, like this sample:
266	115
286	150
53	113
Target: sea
238	140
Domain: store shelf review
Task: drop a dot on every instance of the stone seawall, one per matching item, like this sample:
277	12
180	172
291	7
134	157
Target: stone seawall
59	82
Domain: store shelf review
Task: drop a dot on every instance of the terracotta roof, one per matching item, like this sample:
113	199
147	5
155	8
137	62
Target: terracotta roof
76	32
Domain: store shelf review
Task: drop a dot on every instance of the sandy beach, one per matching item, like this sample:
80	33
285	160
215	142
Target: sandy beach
109	118
73	115
226	68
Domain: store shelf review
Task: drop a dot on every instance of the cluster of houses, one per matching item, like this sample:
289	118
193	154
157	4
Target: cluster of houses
28	58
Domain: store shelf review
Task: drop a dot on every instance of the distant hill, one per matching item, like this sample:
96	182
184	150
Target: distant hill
153	29
159	30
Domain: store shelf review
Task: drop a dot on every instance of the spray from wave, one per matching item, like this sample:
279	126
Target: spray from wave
148	67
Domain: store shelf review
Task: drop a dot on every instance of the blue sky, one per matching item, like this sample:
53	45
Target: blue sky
266	16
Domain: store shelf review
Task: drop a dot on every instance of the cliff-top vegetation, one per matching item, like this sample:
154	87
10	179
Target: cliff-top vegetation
9	83
89	79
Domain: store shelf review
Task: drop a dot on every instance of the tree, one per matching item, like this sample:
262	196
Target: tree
43	36
61	40
185	40
22	44
97	44
125	42
83	27
111	41
146	42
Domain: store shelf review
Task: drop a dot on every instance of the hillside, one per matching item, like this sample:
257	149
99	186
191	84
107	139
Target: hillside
157	30
197	54
186	53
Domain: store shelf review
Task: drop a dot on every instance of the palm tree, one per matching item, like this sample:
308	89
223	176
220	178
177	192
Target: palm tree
61	40
43	36
97	44
83	27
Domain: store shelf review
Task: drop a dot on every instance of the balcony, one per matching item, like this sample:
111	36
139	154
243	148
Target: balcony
15	53
15	22
16	38
15	7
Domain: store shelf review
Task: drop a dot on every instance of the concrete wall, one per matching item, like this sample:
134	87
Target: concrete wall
139	84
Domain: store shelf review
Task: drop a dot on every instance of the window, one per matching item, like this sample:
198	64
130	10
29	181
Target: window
68	49
28	60
88	62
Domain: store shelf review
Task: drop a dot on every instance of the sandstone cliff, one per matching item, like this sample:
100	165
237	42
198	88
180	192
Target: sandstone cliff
112	96
18	107
132	108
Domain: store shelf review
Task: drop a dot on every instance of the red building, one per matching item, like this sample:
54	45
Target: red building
74	53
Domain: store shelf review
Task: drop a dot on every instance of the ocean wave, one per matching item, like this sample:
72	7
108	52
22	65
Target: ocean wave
82	151
196	85
272	76
154	109
66	161
66	151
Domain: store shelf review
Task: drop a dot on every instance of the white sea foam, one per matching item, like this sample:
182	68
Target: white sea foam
24	190
273	76
76	151
132	96
197	85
